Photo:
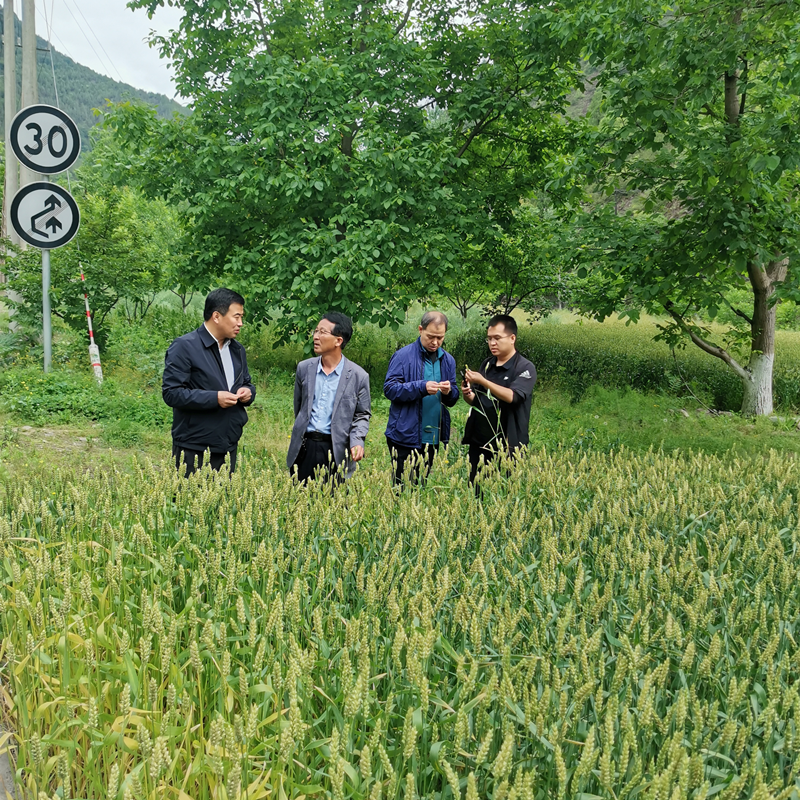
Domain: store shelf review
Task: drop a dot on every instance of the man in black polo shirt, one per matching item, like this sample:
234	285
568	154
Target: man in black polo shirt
500	393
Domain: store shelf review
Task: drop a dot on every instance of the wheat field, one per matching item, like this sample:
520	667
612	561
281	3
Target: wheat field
608	625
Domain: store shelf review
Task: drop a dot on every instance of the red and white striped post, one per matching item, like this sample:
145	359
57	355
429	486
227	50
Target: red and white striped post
94	350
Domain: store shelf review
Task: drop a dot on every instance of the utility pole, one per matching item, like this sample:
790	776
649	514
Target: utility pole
30	93
10	84
30	97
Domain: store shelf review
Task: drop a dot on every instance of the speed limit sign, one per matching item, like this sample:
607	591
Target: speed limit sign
45	139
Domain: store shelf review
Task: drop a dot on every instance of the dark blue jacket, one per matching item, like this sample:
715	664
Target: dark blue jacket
193	374
405	387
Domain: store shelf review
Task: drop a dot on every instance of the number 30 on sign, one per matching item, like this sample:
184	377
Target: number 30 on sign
45	139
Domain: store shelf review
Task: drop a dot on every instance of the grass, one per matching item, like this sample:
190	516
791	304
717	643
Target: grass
602	420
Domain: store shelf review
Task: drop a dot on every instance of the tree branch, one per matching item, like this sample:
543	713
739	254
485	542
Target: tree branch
706	347
479	126
405	19
732	85
735	310
347	140
759	279
264	36
777	269
107	312
744	92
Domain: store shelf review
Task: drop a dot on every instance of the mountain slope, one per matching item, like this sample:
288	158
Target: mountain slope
80	89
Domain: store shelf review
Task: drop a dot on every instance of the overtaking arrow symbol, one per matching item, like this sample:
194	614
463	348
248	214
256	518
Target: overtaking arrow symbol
50	205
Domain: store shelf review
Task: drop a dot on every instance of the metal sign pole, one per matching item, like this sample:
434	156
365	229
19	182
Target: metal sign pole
47	331
47	317
44	214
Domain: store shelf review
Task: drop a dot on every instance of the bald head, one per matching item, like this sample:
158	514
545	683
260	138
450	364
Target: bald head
433	318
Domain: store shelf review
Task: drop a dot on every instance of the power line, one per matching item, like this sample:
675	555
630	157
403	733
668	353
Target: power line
97	38
63	48
48	22
88	40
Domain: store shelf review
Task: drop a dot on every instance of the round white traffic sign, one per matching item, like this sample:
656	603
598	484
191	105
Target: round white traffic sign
45	215
45	139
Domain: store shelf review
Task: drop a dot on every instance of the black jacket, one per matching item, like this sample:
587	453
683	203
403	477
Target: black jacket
193	374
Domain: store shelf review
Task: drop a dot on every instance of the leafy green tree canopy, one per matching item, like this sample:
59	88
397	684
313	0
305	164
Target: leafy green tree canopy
529	265
701	102
341	152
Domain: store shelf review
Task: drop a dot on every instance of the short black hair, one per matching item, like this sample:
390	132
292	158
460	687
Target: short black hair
342	326
506	320
433	317
221	300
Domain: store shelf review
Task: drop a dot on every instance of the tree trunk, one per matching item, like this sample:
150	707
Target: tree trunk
758	386
758	383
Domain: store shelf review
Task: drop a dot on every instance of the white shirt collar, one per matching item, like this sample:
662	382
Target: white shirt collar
226	343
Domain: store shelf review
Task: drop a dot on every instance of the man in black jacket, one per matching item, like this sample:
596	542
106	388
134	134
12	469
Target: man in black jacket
207	385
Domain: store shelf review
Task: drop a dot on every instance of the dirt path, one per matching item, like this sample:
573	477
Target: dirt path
58	439
25	446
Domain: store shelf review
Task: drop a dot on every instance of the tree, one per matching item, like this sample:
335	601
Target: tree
468	286
701	102
531	265
343	152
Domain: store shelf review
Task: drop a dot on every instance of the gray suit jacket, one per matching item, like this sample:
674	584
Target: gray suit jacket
351	410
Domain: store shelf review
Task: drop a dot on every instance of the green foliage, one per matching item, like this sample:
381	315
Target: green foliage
139	346
9	347
527	266
341	157
63	396
128	404
605	420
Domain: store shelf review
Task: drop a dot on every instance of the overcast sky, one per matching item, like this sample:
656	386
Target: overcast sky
109	38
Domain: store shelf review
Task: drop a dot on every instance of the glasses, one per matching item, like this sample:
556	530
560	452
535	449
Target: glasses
320	332
490	339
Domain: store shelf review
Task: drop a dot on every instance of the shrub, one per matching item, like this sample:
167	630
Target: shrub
576	356
139	346
62	396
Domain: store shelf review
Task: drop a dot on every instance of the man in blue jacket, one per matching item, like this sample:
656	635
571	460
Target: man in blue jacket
421	384
207	384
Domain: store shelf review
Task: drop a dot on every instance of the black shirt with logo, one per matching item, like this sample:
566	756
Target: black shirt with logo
517	374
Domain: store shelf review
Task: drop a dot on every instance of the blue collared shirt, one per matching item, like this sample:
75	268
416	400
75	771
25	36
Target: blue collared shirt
324	396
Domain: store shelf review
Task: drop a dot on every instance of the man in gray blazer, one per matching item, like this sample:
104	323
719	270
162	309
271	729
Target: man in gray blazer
331	406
